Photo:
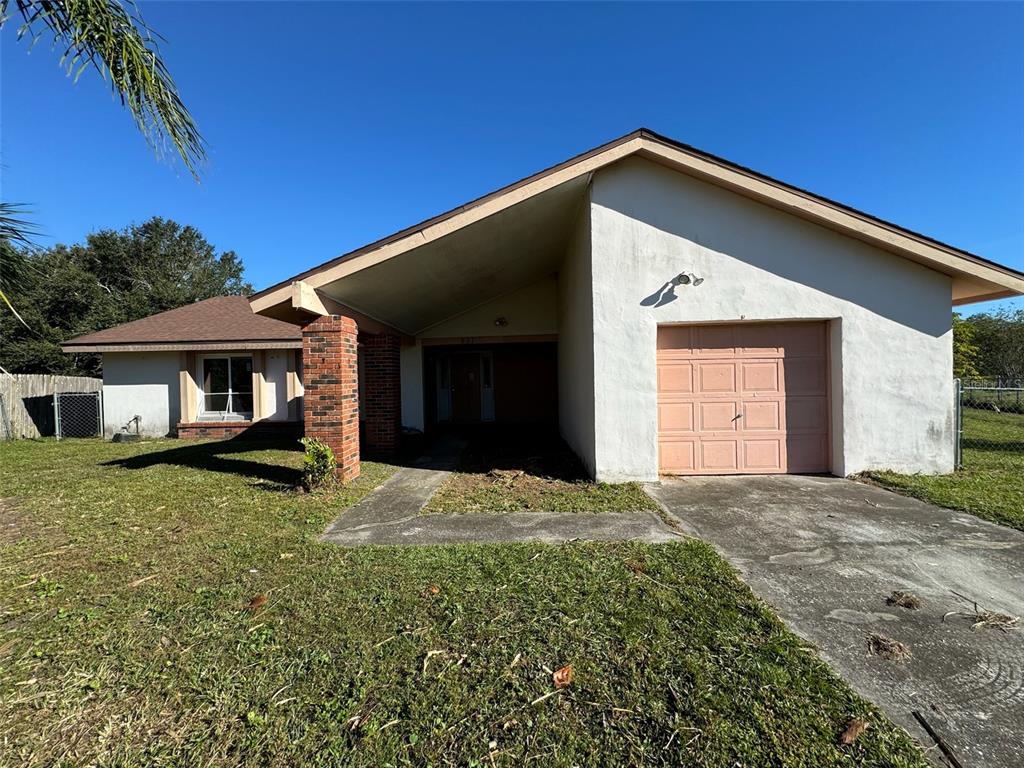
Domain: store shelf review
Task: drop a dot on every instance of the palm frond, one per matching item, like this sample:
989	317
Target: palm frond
13	227
118	44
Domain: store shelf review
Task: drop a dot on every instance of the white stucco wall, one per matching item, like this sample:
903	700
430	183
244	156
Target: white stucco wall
528	311
576	384
144	384
275	385
411	377
891	356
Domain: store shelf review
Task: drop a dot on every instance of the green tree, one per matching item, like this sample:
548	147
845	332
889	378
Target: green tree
112	278
1000	340
965	351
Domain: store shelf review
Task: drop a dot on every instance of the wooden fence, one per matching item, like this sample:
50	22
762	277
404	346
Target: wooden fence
28	401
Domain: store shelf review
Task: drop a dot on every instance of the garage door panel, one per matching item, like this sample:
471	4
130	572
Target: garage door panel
763	455
806	453
806	414
760	376
759	341
719	455
804	340
718	416
804	377
675	377
676	339
675	417
764	416
677	456
773	376
714	341
716	378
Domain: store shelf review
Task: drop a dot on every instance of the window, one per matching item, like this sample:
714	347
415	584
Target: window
227	387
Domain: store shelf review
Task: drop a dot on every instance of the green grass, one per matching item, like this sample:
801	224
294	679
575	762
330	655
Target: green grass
991	483
126	570
524	472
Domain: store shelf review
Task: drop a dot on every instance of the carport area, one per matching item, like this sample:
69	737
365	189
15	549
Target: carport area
826	553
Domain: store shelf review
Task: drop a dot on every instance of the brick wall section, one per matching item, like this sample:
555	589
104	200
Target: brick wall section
330	379
220	430
382	397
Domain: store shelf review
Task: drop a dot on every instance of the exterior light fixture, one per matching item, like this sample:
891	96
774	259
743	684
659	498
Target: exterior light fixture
501	322
684	278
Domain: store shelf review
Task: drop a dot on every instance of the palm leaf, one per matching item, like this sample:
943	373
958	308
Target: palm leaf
119	45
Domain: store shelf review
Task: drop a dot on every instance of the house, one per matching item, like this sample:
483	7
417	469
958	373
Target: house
209	369
668	311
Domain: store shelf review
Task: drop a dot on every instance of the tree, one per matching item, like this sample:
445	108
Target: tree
965	351
121	47
1000	341
112	278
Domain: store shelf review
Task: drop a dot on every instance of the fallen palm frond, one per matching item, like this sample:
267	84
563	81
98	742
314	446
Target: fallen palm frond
982	618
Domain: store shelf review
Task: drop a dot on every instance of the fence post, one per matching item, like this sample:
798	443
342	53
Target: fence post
958	416
56	414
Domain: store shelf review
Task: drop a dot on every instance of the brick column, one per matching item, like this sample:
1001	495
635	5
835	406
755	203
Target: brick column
382	400
330	379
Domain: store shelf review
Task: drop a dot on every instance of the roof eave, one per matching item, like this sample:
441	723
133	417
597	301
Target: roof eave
686	159
180	346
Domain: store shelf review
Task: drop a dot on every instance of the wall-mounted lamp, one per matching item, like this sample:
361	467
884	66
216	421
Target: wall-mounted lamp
684	278
500	322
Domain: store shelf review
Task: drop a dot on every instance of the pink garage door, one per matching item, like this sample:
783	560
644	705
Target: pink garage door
743	399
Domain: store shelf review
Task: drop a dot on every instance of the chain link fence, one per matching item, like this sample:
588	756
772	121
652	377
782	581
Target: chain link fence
990	419
78	414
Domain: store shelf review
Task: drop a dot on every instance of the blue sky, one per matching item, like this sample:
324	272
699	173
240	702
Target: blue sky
330	125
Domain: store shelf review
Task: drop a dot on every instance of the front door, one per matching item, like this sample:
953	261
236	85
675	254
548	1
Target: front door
465	388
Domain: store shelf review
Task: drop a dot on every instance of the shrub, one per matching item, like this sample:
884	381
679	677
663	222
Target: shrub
319	464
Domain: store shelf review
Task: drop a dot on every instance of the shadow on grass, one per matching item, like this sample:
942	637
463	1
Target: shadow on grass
1007	446
217	457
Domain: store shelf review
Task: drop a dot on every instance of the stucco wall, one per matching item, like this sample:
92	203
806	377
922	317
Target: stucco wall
528	311
411	362
275	384
576	383
142	383
891	356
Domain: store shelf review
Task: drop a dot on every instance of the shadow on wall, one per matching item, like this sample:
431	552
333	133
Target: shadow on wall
40	411
708	217
666	294
217	457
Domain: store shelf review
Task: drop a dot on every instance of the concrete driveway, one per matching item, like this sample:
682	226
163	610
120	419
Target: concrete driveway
826	553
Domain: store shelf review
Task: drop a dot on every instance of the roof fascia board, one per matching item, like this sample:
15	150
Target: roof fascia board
182	346
844	220
487	206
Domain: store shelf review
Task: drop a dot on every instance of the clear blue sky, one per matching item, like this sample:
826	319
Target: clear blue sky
330	125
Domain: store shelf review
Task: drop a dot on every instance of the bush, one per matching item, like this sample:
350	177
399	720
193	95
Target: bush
319	464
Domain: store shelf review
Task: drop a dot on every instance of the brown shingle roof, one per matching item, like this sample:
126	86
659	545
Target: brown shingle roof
222	319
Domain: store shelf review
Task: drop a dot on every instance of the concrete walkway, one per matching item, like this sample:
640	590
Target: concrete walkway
548	527
826	553
390	514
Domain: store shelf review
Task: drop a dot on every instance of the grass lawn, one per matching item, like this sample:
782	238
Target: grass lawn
527	473
991	483
129	634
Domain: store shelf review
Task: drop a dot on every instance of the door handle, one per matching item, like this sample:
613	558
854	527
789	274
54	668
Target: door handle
737	416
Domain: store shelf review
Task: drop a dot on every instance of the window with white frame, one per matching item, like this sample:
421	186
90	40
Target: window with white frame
226	383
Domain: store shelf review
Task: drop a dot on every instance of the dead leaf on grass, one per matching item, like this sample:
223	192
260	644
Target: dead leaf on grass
256	603
563	676
856	727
